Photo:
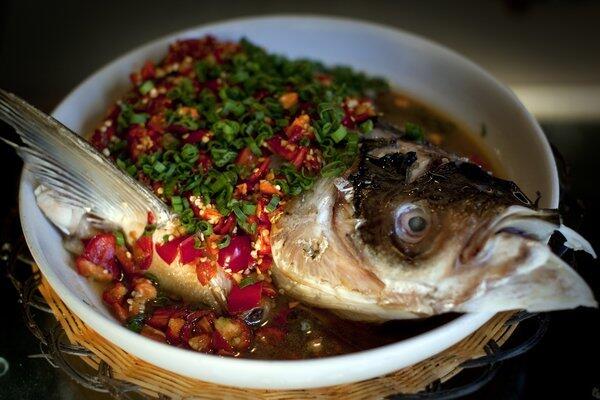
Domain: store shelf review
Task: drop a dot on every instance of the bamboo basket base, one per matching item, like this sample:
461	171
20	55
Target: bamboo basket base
159	383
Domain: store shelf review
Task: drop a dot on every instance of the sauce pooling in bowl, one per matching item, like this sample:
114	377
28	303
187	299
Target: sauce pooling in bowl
440	129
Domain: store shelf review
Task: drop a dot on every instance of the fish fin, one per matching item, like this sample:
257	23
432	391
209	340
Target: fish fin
78	174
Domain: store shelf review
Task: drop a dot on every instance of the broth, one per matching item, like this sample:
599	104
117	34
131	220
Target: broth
317	333
440	129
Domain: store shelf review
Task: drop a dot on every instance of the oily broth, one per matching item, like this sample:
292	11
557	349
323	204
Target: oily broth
319	333
314	333
441	130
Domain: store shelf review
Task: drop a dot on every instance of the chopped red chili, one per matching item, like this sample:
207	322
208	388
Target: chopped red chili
243	299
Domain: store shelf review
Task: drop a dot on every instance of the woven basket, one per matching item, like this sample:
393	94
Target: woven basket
155	381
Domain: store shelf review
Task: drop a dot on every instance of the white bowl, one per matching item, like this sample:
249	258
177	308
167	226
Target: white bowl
432	73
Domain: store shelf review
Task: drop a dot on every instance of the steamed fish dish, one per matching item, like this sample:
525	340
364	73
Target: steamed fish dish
239	203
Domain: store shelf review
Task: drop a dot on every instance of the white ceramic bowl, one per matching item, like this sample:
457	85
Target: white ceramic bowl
432	73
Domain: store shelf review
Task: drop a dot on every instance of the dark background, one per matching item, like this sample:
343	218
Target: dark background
46	48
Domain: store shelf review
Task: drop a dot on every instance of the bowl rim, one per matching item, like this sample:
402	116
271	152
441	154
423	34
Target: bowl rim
454	330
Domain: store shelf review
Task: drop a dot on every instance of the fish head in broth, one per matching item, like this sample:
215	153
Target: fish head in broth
413	231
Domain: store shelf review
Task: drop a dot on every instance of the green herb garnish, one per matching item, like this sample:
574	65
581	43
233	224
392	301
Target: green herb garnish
247	281
414	132
177	204
224	242
237	100
120	238
272	205
136	323
146	87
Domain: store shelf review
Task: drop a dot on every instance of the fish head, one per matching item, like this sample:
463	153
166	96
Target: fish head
412	231
412	216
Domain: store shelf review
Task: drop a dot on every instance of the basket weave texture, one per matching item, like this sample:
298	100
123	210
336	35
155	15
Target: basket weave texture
156	381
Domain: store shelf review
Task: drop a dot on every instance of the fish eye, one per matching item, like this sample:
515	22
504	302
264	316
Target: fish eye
417	223
412	223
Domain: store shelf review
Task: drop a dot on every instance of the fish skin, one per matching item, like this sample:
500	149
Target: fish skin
484	248
181	279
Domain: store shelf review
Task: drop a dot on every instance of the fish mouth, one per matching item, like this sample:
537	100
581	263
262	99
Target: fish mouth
529	224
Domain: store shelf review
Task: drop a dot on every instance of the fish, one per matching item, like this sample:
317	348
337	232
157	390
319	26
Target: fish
409	231
412	231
